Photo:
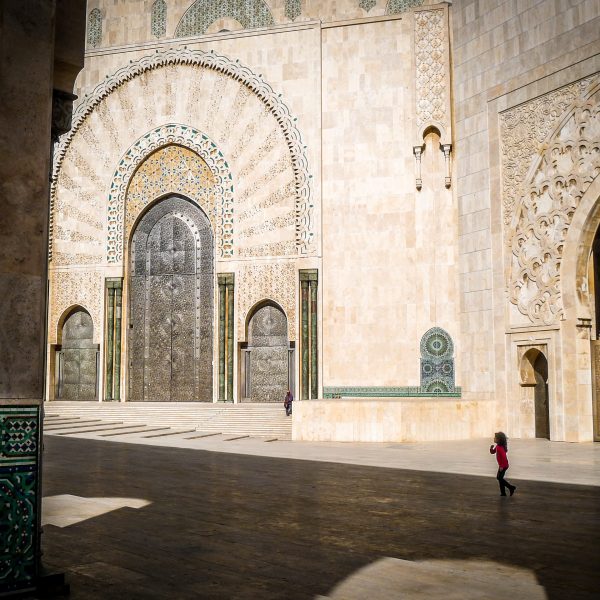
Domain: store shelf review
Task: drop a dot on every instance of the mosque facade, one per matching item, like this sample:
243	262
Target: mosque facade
389	204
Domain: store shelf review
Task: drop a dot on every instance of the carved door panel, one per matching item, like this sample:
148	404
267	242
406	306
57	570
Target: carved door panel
542	409
78	374
171	305
268	347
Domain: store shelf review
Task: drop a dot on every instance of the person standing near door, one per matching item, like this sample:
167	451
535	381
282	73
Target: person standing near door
500	449
287	403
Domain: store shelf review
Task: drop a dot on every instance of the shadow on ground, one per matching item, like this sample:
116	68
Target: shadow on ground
237	526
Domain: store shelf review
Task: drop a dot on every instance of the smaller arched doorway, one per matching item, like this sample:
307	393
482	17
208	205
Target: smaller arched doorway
534	376
266	361
77	358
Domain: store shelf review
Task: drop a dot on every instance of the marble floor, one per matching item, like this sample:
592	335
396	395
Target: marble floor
132	520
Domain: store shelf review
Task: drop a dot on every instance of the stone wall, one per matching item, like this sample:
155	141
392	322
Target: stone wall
510	57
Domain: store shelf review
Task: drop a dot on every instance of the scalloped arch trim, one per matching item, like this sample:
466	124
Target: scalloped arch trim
239	72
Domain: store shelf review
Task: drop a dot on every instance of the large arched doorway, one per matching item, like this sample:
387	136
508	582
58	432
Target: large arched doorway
267	355
77	359
171	304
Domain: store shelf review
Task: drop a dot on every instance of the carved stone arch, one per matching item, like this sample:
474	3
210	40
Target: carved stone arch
556	183
138	153
202	13
304	235
526	366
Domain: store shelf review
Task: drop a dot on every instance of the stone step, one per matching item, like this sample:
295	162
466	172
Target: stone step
244	419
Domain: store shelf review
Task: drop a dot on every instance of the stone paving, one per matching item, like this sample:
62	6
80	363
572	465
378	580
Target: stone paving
151	521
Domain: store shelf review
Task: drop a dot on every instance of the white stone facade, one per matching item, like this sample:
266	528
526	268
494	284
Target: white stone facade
437	167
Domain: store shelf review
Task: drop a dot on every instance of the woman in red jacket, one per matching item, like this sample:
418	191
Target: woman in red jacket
500	451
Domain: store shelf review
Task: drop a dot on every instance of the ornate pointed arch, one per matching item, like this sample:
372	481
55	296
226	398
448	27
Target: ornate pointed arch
206	149
222	64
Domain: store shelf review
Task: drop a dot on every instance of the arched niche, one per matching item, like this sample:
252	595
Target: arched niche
267	359
76	360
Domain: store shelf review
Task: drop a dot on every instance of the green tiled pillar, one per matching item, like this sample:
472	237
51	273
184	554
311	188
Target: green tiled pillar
19	494
309	280
222	291
230	297
304	350
114	296
226	327
314	370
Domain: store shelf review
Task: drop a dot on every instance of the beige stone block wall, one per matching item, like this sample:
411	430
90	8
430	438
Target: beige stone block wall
389	258
505	55
392	420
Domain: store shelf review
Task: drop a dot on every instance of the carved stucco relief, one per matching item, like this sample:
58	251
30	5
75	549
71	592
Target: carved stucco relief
523	131
75	287
296	163
430	41
272	281
567	164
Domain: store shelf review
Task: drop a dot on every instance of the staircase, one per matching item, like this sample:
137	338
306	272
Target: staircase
262	420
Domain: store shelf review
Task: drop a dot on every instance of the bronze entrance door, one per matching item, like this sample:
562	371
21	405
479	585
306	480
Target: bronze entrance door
267	371
171	305
77	359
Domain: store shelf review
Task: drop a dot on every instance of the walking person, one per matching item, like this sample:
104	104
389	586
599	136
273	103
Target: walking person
500	449
287	403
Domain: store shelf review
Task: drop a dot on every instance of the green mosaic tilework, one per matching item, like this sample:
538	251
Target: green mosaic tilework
19	432
395	7
203	13
385	392
94	34
437	362
158	18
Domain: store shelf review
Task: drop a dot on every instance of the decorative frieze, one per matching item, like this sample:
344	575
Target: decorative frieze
203	13
293	8
273	281
367	5
567	165
309	282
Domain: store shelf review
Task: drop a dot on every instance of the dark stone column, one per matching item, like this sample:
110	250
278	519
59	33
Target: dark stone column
230	327
42	50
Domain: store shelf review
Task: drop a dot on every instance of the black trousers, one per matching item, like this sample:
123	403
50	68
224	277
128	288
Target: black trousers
502	482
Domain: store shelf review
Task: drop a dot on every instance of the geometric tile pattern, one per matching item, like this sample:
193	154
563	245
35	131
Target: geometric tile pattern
174	169
94	36
18	497
158	18
395	7
293	8
273	102
190	147
18	435
203	13
437	362
367	5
